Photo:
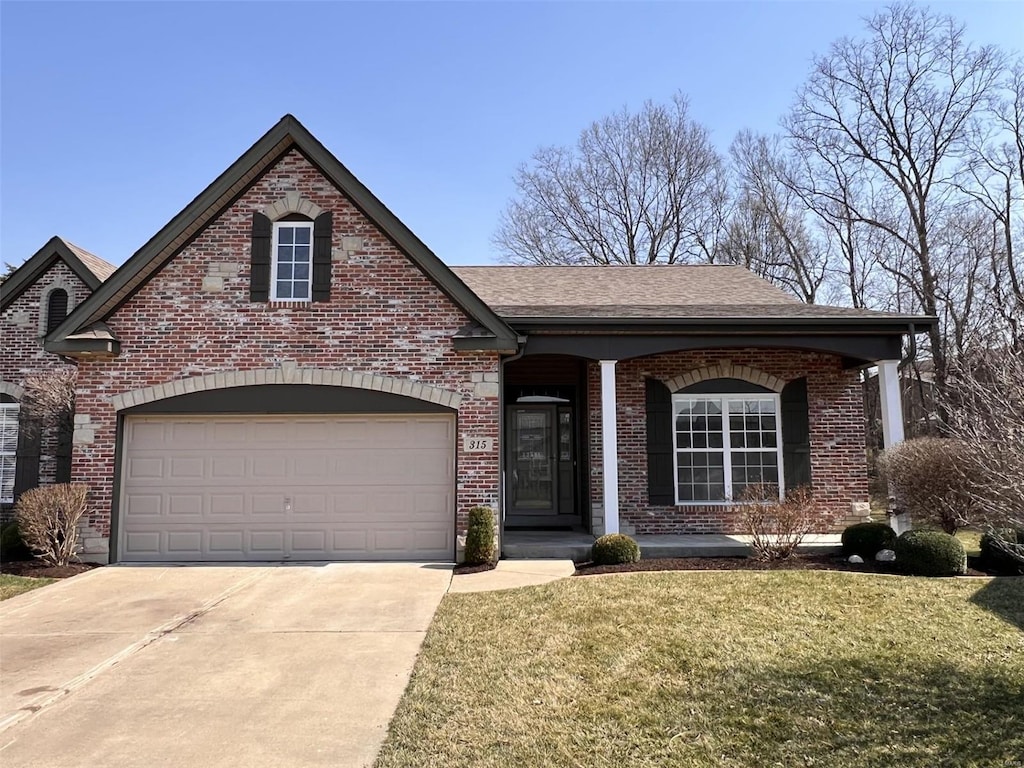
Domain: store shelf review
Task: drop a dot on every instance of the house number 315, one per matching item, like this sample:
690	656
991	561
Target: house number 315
477	444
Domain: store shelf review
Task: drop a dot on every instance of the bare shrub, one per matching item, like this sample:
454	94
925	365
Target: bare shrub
927	477
48	519
985	410
777	527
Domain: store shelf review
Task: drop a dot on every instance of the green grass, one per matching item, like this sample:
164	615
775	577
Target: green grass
720	669
11	586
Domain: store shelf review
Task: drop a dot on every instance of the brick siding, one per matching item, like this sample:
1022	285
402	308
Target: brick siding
836	416
21	342
385	317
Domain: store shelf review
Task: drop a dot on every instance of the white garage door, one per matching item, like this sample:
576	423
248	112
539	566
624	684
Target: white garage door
335	487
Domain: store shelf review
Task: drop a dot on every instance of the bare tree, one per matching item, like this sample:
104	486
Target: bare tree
638	188
793	255
895	109
50	396
993	180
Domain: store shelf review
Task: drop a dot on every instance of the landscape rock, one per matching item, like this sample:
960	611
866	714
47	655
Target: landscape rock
855	559
886	556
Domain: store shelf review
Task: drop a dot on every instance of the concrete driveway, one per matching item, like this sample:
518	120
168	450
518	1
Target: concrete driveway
297	665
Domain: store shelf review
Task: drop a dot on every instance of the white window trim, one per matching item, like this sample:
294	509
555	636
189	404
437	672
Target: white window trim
724	399
273	261
6	498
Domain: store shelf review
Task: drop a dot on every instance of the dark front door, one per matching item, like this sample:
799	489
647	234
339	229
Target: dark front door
541	465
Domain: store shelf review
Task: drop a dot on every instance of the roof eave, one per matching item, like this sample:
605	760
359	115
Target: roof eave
85	349
739	325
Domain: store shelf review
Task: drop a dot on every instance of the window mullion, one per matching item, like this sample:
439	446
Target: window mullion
726	450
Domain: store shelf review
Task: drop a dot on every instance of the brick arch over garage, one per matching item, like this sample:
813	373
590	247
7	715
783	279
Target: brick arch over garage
314	376
11	390
725	370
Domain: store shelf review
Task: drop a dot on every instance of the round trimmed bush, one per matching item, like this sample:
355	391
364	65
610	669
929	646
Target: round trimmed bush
997	559
930	553
868	539
12	546
615	549
480	536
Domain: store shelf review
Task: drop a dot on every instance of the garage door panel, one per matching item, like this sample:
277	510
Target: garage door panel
225	545
268	488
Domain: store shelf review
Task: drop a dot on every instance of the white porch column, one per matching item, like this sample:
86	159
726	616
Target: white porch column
609	447
892	407
892	420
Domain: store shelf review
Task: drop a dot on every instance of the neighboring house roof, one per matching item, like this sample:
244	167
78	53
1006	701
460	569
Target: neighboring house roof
683	293
91	269
287	134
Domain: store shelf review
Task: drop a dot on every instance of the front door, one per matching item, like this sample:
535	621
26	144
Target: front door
541	465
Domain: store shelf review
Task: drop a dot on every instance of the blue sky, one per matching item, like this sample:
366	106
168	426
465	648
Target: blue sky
113	116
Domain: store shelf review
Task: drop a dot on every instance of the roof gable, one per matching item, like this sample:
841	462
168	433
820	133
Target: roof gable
287	134
90	269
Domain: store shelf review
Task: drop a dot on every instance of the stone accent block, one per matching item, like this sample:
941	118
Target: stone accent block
486	389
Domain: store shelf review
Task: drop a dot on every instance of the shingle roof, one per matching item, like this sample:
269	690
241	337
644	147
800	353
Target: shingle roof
102	269
648	291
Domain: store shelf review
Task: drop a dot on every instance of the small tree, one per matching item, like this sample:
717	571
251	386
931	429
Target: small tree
777	527
926	476
48	519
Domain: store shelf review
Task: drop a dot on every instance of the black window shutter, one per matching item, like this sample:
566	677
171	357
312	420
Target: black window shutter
65	432
259	270
660	465
26	468
322	256
796	435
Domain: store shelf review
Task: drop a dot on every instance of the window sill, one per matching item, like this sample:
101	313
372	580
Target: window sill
289	304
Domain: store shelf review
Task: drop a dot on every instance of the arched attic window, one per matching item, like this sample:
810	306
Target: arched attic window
56	308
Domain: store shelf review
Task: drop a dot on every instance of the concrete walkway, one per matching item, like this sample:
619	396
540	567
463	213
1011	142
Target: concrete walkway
576	546
298	665
510	574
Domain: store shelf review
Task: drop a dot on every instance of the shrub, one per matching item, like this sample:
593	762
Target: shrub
776	527
480	537
1002	551
868	539
927	475
11	545
48	519
930	553
614	549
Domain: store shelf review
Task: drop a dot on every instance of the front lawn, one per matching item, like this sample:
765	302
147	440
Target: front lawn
792	668
10	586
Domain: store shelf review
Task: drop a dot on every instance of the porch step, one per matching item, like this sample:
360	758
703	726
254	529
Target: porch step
545	545
552	544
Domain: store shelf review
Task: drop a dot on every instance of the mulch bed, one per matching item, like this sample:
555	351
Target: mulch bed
459	569
37	569
798	563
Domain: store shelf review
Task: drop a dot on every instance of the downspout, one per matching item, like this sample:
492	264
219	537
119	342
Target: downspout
912	352
521	341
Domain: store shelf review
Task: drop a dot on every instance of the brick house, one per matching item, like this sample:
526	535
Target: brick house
35	299
285	371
